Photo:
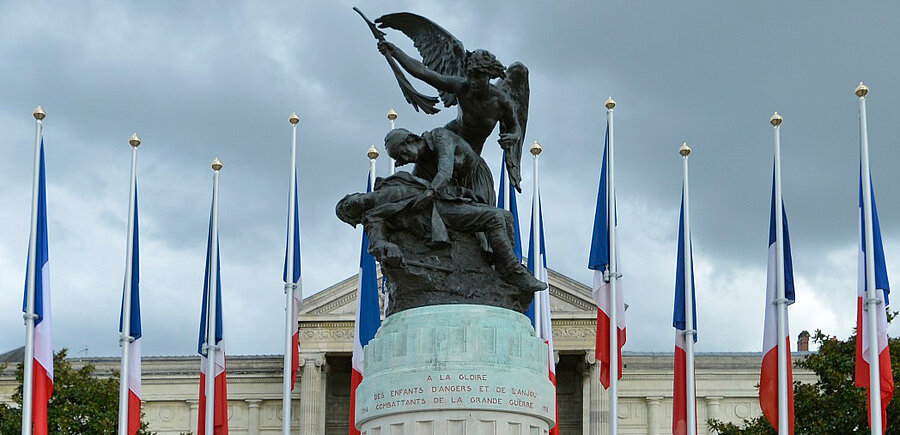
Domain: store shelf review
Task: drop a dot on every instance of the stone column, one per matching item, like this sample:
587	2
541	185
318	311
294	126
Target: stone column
599	398
713	405
253	417
194	414
653	403
312	393
589	362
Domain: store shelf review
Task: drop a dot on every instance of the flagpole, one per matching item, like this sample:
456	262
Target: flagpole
372	153
28	379
780	300
125	337
289	287
871	297
613	274
536	243
392	116
211	345
505	188
689	332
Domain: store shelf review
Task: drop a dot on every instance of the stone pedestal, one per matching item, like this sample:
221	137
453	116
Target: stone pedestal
455	369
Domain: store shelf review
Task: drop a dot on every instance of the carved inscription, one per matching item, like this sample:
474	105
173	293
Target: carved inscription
457	389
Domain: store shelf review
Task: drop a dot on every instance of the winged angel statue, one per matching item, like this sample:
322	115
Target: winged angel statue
462	78
436	230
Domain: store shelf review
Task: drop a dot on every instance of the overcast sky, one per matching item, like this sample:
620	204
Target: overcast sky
204	79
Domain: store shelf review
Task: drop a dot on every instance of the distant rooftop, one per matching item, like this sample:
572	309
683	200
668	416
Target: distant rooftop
13	356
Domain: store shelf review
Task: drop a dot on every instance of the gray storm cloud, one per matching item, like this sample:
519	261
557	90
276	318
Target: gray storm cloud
202	80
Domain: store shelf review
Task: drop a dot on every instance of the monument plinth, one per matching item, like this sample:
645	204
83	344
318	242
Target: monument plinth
447	369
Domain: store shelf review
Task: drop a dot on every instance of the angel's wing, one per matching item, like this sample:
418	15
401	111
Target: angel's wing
515	85
441	51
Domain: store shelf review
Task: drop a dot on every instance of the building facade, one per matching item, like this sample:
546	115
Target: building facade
726	382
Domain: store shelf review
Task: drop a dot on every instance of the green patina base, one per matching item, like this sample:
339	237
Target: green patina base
455	357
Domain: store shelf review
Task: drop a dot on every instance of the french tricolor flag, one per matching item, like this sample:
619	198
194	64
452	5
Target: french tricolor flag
599	263
368	318
679	321
297	291
220	416
768	378
882	289
42	360
538	249
134	345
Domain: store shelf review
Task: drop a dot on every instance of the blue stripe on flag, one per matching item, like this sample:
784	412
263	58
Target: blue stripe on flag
881	275
789	293
296	240
679	317
135	324
42	256
599	258
542	253
218	326
369	313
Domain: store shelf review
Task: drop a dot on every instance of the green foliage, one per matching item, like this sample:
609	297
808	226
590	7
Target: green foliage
833	405
82	403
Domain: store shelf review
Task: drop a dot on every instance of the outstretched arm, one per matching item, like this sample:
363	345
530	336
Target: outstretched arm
418	70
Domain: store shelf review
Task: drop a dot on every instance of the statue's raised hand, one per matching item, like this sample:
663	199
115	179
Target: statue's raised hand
386	48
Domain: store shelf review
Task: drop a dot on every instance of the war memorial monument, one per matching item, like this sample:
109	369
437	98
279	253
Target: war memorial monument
456	349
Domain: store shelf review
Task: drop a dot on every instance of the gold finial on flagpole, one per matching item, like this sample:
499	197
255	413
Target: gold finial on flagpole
392	114
610	103
295	119
775	120
39	113
372	152
685	150
216	164
134	140
536	148
861	90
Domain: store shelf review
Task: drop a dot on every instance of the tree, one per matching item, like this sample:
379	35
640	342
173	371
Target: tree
832	405
82	403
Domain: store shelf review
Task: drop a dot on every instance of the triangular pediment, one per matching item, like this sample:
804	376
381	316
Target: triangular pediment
569	299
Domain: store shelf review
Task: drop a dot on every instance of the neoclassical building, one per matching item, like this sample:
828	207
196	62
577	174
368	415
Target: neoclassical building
726	382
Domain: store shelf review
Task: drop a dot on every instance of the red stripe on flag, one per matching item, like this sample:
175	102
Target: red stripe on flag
134	413
862	367
220	408
295	358
555	429
355	379
862	370
679	392
42	390
601	348
768	386
887	386
679	399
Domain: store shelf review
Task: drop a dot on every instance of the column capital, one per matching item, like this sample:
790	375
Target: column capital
654	399
253	403
194	404
317	359
590	358
713	398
